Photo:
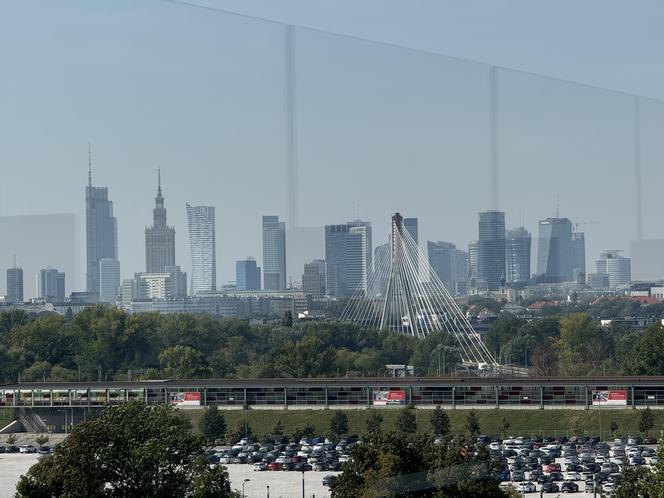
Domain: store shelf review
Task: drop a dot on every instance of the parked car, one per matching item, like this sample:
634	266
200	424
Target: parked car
526	487
260	466
27	448
550	487
569	487
327	480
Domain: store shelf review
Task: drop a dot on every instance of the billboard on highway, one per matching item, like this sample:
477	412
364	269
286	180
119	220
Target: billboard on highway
615	397
392	397
186	399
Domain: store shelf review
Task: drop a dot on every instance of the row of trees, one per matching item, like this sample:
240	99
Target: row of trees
576	345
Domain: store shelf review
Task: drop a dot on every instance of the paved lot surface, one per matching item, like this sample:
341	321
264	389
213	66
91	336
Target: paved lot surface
282	484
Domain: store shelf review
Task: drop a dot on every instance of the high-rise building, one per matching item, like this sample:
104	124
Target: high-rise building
381	264
159	238
171	284
491	250
461	272
15	285
313	279
578	257
411	225
101	230
617	267
274	253
109	280
554	250
473	252
346	249
442	259
203	248
247	275
51	284
517	254
365	227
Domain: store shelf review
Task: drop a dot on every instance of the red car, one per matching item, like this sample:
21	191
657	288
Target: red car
552	467
274	466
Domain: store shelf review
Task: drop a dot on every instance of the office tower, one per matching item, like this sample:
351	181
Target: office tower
461	272
491	250
346	249
411	225
101	231
159	238
178	281
274	253
313	279
203	248
473	251
617	267
247	275
51	284
442	259
517	254
15	284
365	226
381	263
578	257
554	250
109	280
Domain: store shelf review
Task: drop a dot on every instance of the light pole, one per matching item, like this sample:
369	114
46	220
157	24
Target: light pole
268	491
243	483
303	484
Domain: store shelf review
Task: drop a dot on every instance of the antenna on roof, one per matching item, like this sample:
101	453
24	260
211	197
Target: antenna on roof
89	164
158	181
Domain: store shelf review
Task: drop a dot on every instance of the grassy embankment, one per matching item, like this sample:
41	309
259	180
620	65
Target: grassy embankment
522	422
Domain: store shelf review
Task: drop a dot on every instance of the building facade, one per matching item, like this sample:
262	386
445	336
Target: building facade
517	254
346	249
15	285
442	259
578	256
247	275
314	278
274	253
618	268
51	284
159	238
202	241
555	254
491	250
109	280
101	232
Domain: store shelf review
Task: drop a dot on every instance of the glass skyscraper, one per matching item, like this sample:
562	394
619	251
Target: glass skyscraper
247	275
101	232
274	253
15	285
517	254
555	253
159	238
348	256
203	248
491	250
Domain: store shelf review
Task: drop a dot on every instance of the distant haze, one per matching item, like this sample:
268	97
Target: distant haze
378	129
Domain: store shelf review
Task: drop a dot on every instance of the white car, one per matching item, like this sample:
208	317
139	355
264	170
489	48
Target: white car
526	487
260	466
494	446
572	476
27	448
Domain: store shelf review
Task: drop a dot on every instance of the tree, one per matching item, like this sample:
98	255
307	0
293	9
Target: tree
504	426
131	450
472	424
288	318
406	420
339	424
213	424
41	440
11	439
278	429
613	427
374	420
634	483
646	420
440	422
307	431
397	464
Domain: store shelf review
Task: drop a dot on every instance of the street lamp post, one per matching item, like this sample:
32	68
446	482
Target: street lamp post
243	483
65	412
303	484
268	491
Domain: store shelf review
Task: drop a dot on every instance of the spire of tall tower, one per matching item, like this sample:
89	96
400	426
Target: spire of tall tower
158	181
89	164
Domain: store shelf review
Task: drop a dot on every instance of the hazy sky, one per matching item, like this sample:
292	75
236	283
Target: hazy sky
379	129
